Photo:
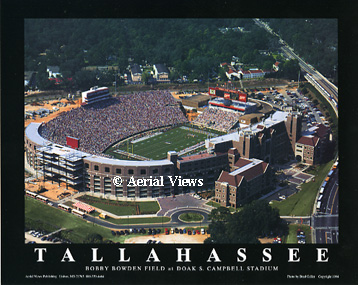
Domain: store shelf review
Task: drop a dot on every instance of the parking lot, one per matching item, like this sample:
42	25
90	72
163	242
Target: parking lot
32	238
186	200
171	238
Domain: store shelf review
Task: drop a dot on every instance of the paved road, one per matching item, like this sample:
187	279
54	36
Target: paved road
326	222
329	87
326	227
329	201
175	222
192	205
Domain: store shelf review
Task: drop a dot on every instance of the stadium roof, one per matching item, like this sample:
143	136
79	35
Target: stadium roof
134	163
32	132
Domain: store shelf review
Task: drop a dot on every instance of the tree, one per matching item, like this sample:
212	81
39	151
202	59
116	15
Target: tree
220	214
85	79
222	74
290	69
93	238
145	77
255	219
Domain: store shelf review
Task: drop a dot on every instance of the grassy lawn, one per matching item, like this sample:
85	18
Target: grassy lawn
157	147
121	208
191	217
51	219
213	204
138	221
301	204
217	205
292	234
76	227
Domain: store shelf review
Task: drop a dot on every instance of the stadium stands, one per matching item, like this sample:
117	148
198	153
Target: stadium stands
217	119
103	123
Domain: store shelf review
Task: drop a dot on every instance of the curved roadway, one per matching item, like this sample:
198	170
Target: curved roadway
175	222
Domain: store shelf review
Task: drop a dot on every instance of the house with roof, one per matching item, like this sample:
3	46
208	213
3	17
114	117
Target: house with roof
275	66
53	71
231	73
29	78
256	73
136	73
161	73
248	179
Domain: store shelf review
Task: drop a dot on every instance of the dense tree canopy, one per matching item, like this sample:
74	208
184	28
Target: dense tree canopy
190	45
254	220
315	40
193	47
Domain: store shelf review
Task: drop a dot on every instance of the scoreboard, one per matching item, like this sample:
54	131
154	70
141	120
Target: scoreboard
227	94
72	142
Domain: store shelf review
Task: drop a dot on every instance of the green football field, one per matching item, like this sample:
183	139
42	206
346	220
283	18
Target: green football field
157	147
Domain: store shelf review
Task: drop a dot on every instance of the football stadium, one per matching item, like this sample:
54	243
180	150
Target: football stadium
140	135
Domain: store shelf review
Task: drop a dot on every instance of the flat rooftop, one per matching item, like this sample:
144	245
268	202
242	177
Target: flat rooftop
196	156
195	98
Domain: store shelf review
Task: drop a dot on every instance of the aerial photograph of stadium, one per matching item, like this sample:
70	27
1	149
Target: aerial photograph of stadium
147	131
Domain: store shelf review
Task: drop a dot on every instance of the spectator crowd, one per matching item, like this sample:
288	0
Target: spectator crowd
101	124
217	119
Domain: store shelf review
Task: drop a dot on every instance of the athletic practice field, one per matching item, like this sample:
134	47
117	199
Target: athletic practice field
156	147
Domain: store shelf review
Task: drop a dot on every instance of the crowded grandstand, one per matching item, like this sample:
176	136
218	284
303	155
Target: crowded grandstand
218	119
103	123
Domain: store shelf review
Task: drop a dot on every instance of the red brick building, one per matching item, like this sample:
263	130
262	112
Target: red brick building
248	179
311	147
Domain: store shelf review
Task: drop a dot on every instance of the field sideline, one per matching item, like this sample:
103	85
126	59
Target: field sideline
157	147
